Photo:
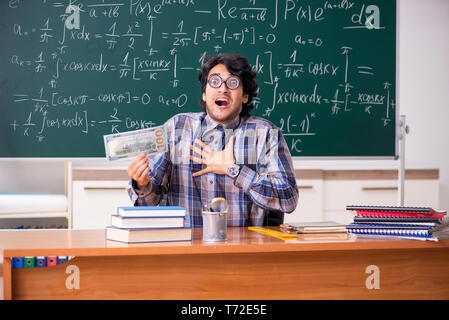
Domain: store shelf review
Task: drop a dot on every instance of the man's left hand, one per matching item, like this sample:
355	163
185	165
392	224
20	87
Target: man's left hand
215	161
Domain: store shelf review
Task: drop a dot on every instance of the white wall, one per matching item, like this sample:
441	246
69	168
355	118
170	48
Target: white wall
423	96
32	176
424	85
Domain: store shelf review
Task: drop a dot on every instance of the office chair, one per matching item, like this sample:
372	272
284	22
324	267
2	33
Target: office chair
273	218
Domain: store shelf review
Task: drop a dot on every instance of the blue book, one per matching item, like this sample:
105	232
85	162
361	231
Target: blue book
17	262
41	262
148	211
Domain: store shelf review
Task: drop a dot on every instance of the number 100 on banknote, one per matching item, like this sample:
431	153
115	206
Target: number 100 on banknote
132	143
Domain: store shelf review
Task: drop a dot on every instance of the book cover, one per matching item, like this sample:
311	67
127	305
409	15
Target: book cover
415	230
403	220
389	231
147	222
396	210
392	237
148	235
386	214
147	211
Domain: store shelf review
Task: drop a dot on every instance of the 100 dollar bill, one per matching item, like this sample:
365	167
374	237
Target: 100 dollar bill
132	143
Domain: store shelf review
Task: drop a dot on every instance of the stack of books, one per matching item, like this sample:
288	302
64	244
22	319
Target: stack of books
148	224
422	223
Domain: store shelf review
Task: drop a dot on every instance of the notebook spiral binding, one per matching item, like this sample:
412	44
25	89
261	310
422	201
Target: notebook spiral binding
396	209
391	232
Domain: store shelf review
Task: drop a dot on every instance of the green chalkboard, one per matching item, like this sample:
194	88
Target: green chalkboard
71	74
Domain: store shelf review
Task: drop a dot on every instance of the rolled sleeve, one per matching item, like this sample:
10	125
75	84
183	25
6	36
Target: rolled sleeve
139	196
245	179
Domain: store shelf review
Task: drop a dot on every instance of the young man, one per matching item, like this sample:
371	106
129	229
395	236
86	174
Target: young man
220	152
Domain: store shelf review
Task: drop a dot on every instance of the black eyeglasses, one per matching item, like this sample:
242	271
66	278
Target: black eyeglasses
215	81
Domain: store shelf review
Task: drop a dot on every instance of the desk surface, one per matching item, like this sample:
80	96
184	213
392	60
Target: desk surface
240	240
249	265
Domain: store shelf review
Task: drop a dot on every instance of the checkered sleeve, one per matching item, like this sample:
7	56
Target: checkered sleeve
273	185
152	194
160	168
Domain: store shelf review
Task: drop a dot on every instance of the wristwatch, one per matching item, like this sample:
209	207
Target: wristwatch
233	171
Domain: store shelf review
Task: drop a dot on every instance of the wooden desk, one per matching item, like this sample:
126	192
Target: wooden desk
249	265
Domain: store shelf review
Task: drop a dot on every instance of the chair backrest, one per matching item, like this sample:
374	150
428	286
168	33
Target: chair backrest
273	218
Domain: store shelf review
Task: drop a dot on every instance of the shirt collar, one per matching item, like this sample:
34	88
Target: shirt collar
211	124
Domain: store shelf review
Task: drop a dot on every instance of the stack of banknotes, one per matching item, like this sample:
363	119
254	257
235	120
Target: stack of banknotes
132	143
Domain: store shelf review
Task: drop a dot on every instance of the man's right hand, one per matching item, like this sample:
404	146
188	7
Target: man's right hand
138	170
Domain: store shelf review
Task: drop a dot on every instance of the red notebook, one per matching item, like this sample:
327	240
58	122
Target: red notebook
396	211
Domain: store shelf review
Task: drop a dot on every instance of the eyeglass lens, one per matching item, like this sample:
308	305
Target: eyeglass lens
215	81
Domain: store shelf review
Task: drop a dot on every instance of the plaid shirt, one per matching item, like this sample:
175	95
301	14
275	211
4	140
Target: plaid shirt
266	180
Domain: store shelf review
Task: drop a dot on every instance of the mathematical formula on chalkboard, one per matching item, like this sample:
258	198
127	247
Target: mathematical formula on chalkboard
73	71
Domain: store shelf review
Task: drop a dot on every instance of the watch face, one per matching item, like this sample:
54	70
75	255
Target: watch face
233	171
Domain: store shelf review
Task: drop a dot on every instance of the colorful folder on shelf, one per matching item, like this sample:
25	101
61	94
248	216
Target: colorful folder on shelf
17	262
38	262
52	261
62	259
41	262
29	262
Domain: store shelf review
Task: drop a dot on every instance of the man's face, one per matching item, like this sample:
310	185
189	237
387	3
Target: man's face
223	104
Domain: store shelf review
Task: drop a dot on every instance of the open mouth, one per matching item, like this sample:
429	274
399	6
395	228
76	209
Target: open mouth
222	102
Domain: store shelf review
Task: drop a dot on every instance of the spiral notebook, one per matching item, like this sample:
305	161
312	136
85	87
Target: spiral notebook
421	232
397	212
395	226
396	209
395	233
423	223
403	220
